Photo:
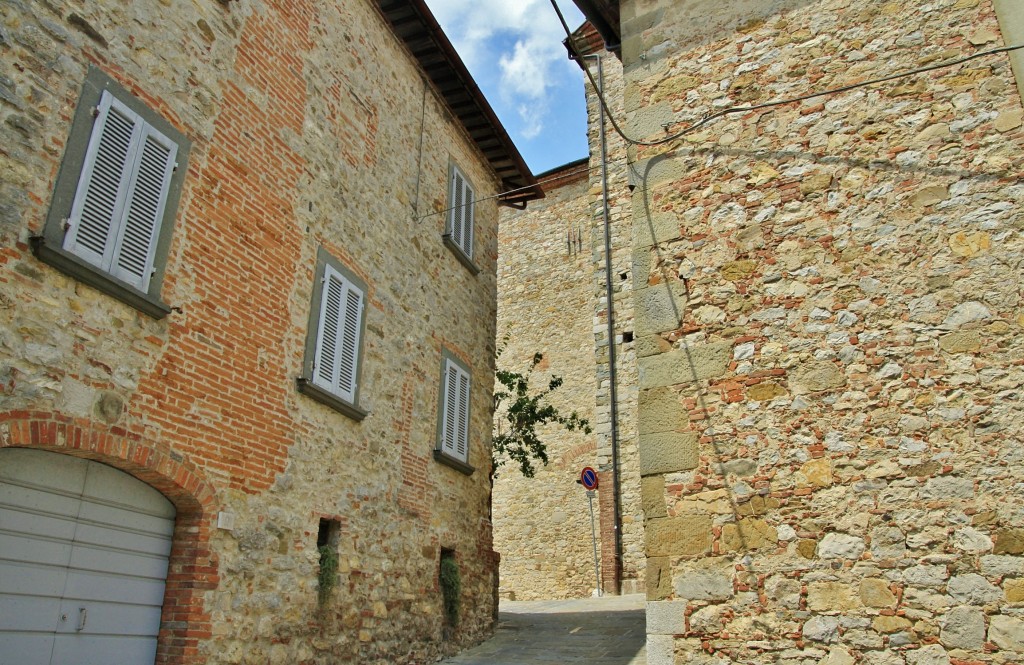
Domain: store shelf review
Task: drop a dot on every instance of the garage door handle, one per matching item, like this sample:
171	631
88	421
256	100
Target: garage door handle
82	614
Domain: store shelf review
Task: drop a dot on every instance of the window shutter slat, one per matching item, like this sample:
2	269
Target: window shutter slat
450	426
467	227
103	184
326	371
349	348
462	445
145	209
457	213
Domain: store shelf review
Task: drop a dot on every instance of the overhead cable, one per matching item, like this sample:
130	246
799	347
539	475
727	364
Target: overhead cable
756	107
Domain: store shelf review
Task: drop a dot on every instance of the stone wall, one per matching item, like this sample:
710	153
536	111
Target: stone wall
296	145
830	335
630	573
545	305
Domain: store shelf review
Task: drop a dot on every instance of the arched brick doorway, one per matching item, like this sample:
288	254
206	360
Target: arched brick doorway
192	568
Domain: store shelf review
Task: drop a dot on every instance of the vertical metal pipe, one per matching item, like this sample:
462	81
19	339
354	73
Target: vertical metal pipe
612	374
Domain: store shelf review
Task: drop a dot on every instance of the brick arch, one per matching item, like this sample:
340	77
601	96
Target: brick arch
192	568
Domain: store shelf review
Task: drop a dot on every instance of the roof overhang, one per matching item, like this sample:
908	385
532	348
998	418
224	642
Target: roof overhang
412	21
604	16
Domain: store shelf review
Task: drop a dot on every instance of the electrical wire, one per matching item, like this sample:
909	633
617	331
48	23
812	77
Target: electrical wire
780	102
707	119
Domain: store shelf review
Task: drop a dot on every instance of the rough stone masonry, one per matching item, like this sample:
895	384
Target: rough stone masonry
312	128
830	334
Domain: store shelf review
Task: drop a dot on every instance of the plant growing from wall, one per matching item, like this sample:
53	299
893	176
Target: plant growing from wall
451	587
328	575
519	412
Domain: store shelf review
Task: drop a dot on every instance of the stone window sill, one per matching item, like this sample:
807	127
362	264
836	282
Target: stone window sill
316	393
86	273
459	254
456	464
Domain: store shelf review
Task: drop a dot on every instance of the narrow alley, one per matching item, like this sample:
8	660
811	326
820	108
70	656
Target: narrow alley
597	631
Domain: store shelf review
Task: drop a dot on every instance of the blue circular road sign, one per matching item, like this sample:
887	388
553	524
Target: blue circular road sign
589	478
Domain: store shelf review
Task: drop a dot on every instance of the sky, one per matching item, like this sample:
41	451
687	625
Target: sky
513	49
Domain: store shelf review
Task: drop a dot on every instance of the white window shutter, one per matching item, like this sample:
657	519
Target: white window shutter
325	373
337	343
103	184
144	209
349	348
455	412
458	207
462	445
450	409
467	223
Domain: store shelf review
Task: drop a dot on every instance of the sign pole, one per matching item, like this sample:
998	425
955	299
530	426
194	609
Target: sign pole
593	538
589	480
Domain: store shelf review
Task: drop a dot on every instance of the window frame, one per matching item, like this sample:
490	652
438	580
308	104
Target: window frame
463	251
49	245
448	360
326	265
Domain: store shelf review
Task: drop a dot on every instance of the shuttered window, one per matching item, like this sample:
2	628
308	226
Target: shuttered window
116	196
121	195
454	435
337	346
337	325
460	215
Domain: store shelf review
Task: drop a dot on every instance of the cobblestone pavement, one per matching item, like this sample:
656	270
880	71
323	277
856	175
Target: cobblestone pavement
597	631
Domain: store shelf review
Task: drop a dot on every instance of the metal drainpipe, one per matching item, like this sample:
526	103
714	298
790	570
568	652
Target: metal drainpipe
612	375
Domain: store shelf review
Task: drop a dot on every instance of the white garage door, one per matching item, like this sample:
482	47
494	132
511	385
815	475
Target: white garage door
83	560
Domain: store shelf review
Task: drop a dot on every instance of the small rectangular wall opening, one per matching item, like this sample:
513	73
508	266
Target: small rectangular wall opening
327	536
450	582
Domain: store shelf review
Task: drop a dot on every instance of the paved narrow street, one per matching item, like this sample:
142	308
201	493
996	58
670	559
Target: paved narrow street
596	631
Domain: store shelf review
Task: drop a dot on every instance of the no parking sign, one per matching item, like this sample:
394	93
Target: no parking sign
589	478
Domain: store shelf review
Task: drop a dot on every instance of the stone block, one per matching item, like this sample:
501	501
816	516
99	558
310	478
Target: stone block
659	410
816	376
963	628
1014	590
748	534
666	617
685	365
705	584
817	472
932	654
658	308
890	624
1007	632
675	536
658	578
961	342
837	655
828	596
653	229
876	593
660	650
651	345
1009	541
973	589
667	452
652	496
765	391
821	629
648	121
840	546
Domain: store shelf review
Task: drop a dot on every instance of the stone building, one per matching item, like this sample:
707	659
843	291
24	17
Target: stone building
553	294
828	327
247	322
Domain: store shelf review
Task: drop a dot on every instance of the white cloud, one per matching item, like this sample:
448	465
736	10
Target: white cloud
517	43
